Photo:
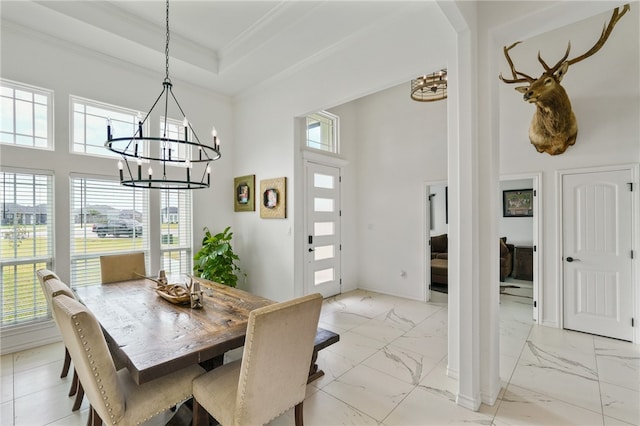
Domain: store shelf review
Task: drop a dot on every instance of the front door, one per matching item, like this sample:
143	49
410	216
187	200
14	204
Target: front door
597	244
323	243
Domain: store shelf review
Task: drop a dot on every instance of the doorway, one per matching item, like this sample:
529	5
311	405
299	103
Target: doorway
522	280
436	220
322	227
597	251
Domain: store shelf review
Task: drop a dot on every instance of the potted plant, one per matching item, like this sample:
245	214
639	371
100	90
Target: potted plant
216	260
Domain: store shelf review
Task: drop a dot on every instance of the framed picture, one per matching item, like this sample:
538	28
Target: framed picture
273	198
244	193
517	203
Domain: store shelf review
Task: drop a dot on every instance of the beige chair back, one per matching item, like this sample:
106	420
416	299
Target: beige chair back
122	267
276	359
83	338
44	275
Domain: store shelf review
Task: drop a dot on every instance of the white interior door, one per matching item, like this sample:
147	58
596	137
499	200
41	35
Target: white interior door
323	240
597	258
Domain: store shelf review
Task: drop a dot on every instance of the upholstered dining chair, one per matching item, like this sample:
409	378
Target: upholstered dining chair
52	287
114	396
272	375
122	267
44	275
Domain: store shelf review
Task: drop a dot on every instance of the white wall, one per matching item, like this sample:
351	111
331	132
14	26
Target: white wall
401	144
605	93
518	230
268	147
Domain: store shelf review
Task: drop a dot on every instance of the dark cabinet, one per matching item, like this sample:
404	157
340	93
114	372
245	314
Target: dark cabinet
523	266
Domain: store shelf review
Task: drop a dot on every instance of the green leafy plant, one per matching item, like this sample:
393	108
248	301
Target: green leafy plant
216	260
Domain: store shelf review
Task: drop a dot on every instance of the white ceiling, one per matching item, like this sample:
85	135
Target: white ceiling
225	46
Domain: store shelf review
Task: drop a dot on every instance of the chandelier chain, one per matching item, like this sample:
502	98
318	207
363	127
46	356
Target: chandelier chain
166	48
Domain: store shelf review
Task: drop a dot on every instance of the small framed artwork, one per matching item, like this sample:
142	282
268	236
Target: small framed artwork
244	193
517	203
273	198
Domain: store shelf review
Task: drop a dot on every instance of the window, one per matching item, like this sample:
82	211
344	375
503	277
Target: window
26	115
176	230
175	130
89	124
106	218
322	132
26	244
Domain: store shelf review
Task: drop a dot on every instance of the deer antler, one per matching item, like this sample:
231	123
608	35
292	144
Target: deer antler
523	77
606	31
553	69
519	77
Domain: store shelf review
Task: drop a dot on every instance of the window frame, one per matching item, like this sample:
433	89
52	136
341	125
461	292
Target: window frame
333	147
185	232
33	90
40	310
91	276
115	110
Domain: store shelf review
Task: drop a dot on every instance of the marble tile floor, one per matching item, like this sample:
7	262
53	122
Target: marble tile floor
389	369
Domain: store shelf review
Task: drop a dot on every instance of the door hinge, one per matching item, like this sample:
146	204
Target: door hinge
535	193
535	248
632	323
535	303
630	186
340	179
632	254
340	247
340	213
340	281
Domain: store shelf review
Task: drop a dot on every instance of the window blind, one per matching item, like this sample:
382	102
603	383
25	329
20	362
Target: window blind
26	244
176	231
105	219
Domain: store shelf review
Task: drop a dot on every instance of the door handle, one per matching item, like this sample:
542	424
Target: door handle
310	250
571	259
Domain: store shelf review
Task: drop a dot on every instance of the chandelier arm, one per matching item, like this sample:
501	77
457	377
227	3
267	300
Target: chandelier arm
184	115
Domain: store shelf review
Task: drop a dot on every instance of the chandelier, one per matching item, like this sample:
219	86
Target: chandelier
175	148
428	88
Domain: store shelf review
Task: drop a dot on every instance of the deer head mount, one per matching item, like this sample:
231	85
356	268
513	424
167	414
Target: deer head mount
553	127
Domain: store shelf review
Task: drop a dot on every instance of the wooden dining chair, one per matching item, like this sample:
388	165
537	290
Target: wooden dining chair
272	375
53	287
122	267
114	396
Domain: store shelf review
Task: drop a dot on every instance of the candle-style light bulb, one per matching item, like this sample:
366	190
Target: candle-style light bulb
209	175
139	118
150	172
214	132
185	124
109	137
120	166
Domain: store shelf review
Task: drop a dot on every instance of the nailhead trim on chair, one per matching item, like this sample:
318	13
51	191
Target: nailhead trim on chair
103	392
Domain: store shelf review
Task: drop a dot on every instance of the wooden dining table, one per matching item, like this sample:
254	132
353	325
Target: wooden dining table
152	337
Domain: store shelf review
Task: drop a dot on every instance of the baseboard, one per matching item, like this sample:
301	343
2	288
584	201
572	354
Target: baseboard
470	403
28	336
